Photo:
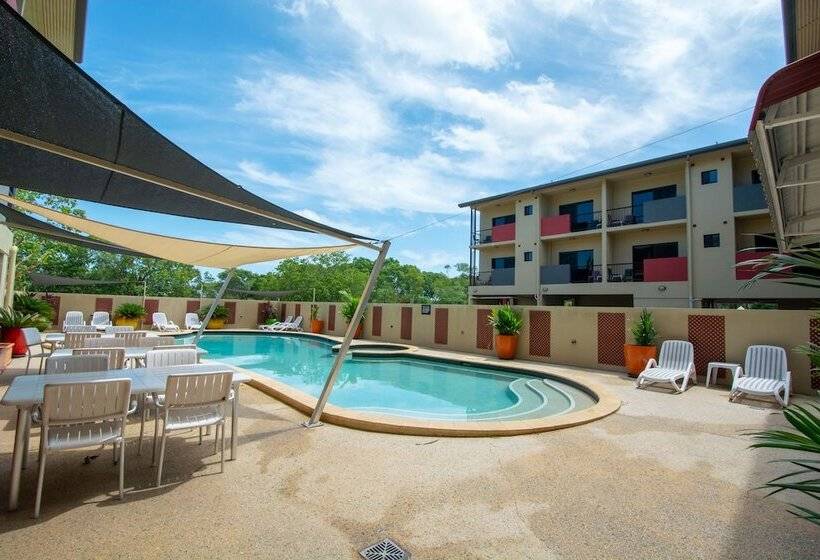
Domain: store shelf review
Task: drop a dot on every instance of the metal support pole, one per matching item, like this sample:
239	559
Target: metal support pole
351	330
219	295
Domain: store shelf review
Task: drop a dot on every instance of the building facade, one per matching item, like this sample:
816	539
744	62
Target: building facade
666	232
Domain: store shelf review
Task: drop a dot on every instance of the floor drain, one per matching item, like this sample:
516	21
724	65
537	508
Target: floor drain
384	550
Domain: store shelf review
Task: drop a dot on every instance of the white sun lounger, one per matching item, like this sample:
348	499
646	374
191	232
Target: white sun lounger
765	373
296	325
192	322
677	361
100	320
276	325
73	318
162	323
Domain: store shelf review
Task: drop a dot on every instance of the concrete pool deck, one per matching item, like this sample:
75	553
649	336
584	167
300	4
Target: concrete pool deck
666	476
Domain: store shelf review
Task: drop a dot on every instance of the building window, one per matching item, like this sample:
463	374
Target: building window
641	253
755	177
527	256
581	216
708	177
711	240
502	220
503	262
528	210
648	195
580	264
765	240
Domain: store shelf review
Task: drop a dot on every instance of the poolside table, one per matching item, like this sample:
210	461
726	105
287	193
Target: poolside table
132	353
60	337
26	392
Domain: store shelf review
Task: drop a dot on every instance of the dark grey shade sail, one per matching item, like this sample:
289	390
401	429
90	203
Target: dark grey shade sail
50	99
49	280
262	293
18	220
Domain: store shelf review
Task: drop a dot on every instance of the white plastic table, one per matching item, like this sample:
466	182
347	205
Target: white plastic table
714	366
131	353
26	392
60	337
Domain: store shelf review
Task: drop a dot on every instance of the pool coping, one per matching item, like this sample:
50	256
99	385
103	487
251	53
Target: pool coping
385	423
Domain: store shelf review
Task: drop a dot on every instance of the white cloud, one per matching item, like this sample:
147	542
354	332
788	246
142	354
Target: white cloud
430	260
257	173
334	109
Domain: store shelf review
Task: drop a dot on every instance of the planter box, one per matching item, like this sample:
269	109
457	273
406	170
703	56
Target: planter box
5	354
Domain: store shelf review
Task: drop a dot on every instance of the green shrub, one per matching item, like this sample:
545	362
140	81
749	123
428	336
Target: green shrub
349	305
32	305
10	319
130	311
506	320
643	329
220	312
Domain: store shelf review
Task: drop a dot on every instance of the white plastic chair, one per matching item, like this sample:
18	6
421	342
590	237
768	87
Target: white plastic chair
192	401
79	328
73	318
192	322
114	329
34	339
76	415
161	341
76	364
295	325
78	339
130	339
100	320
115	356
162	323
676	361
765	373
276	325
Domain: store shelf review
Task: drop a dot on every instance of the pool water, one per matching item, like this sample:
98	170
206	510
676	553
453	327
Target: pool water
404	386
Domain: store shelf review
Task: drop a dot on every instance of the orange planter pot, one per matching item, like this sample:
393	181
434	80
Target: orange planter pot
5	354
506	346
317	326
127	322
635	357
359	331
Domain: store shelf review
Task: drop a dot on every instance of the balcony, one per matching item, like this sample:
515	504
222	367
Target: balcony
661	210
495	234
563	274
495	277
747	272
566	223
666	269
747	198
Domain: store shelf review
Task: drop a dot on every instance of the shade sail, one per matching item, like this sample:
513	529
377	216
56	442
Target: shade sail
188	251
49	280
262	293
24	222
62	133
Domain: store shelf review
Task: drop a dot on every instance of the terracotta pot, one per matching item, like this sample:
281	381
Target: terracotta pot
216	324
5	354
635	357
359	331
506	345
133	322
317	326
14	335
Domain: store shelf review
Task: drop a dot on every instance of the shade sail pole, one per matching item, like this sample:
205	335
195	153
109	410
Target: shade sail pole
219	295
314	419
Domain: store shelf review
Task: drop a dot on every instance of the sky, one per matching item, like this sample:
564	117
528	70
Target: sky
380	116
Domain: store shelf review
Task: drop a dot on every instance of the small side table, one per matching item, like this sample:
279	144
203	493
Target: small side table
712	368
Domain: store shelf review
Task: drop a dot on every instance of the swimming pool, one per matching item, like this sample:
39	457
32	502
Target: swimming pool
399	385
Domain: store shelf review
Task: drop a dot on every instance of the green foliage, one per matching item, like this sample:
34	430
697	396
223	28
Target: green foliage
643	329
807	440
10	318
506	320
800	267
314	312
349	305
220	312
31	305
130	311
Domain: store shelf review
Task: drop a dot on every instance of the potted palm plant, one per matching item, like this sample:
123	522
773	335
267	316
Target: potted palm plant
644	334
507	322
29	304
129	315
316	324
12	323
217	320
349	305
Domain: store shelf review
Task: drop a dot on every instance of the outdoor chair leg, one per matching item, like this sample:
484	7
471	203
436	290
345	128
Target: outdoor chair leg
216	437
142	426
222	461
156	434
200	435
122	467
114	453
161	457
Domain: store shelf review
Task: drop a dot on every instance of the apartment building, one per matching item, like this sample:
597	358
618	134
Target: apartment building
665	232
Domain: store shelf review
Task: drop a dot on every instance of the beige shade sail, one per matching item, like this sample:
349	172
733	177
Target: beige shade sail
188	251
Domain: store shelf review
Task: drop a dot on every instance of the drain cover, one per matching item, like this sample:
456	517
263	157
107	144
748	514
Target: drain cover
384	550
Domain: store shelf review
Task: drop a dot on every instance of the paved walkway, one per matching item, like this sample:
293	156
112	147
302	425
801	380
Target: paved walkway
667	476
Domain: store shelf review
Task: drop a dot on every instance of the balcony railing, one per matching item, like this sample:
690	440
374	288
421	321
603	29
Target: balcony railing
661	210
504	232
566	223
494	277
748	197
665	269
564	274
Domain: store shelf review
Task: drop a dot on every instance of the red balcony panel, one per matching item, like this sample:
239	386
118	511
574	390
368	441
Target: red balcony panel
504	232
553	225
749	271
668	269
